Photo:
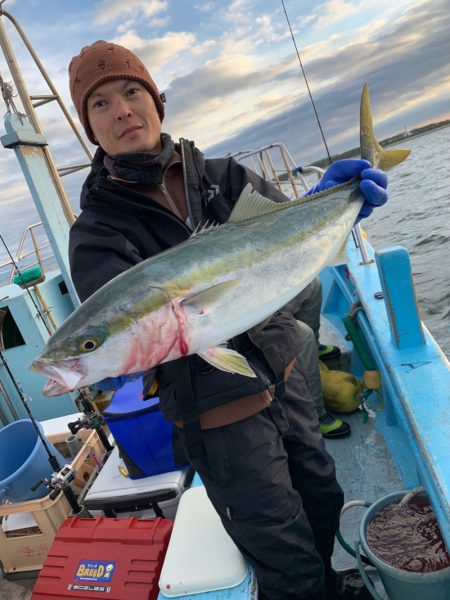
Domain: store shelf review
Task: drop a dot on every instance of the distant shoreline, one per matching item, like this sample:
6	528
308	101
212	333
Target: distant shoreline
411	136
390	141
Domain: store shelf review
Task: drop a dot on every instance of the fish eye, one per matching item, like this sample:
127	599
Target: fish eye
89	344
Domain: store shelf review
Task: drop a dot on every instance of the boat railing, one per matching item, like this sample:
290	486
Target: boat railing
30	253
275	164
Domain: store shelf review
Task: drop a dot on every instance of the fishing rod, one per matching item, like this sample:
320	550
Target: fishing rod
356	231
25	399
307	84
16	268
62	476
92	420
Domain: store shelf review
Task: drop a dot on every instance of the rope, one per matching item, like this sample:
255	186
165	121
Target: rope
8	95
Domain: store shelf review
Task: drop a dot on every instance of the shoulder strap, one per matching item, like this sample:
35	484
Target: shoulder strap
194	183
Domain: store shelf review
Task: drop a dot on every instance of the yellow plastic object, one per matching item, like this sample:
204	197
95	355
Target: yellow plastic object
372	380
341	390
123	471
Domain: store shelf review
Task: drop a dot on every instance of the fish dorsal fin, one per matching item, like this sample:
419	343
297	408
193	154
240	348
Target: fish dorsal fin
203	227
252	204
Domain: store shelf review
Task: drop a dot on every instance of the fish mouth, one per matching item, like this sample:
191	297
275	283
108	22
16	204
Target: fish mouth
63	377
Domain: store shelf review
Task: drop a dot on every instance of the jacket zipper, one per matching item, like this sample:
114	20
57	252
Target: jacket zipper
165	192
186	191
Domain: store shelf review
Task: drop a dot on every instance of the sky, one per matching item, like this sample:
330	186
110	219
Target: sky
231	76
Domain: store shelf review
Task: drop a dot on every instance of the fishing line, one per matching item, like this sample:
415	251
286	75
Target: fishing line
25	399
307	84
16	267
59	472
86	403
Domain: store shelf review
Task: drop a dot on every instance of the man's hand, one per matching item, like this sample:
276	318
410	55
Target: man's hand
373	182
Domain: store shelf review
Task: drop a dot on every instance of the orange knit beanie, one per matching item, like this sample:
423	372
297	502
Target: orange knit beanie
101	62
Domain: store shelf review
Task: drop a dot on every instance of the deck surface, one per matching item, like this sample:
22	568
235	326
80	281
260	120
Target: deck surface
364	469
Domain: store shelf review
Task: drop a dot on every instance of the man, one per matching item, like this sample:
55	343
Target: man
306	309
255	442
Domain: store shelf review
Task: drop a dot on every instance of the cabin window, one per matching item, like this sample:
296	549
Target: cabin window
63	288
10	336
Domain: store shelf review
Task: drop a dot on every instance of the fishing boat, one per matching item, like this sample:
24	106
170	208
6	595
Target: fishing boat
399	440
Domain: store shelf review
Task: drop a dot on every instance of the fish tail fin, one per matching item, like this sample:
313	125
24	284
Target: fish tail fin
390	158
370	148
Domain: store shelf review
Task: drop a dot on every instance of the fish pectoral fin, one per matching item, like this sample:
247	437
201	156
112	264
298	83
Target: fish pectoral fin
202	302
251	204
227	360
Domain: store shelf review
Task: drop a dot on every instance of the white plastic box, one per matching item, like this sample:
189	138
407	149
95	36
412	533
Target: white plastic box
113	494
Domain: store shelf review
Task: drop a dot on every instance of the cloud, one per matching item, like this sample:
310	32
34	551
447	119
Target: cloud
205	7
234	79
111	10
216	84
158	23
407	68
334	11
204	47
157	52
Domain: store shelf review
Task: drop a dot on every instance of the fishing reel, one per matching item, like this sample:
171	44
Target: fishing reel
60	482
91	420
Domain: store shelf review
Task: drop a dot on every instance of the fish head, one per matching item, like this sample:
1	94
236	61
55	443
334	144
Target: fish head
107	339
70	362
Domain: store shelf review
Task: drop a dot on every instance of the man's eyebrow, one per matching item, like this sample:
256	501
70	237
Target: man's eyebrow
126	83
95	95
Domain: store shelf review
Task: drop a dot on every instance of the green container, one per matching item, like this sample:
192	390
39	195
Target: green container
29	277
400	584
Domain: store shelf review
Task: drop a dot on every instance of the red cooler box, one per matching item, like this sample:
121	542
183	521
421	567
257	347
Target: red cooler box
114	559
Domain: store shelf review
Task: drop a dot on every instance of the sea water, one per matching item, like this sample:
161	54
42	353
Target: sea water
417	217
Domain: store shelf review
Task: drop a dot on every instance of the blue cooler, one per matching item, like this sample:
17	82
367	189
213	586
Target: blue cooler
142	434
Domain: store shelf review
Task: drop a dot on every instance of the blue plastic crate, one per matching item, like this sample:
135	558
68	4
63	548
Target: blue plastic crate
141	432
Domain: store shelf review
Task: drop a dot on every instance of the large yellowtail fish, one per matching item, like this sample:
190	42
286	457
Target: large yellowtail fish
222	281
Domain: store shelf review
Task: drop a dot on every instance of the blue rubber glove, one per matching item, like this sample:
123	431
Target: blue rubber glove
373	182
115	383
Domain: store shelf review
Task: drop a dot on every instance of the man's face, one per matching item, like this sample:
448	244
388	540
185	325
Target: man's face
123	117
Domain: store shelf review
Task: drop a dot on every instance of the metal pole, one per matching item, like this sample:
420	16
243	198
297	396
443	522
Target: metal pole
9	403
362	244
50	85
31	114
288	170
